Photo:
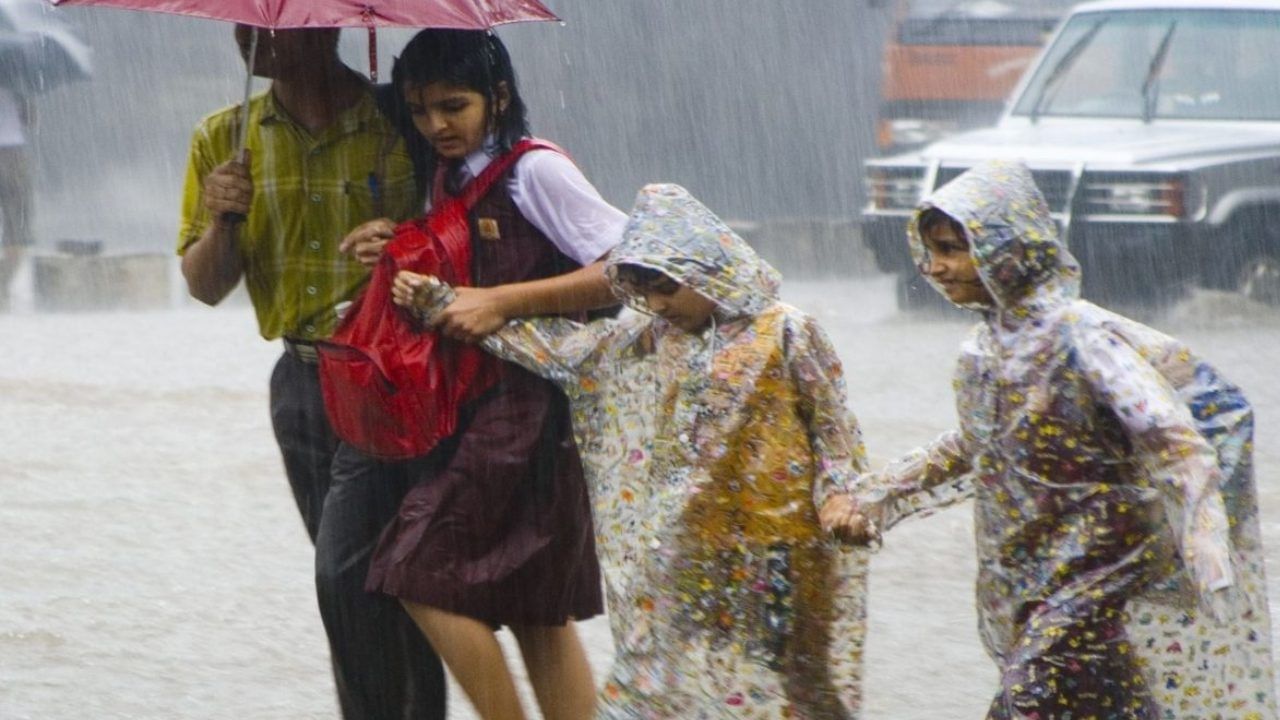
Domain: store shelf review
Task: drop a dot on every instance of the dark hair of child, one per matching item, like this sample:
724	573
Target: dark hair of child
934	218
645	279
474	59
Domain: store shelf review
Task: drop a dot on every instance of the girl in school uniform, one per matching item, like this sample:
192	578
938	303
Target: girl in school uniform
495	525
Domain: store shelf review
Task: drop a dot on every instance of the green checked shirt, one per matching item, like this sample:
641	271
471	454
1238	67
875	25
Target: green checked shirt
309	191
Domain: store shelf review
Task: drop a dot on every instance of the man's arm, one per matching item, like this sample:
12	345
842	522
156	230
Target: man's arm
212	265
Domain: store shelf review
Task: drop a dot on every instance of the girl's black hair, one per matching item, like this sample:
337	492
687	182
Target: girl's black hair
473	59
933	217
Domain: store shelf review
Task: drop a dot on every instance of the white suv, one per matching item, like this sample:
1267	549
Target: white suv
1153	130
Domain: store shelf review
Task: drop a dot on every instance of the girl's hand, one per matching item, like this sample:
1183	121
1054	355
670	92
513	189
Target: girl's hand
841	516
365	243
474	314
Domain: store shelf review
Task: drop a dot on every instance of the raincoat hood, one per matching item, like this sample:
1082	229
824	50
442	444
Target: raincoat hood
671	232
1012	238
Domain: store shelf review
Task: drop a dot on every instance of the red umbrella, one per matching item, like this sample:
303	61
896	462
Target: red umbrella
274	14
456	14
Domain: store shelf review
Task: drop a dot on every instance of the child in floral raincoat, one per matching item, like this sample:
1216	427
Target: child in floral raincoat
712	425
1112	477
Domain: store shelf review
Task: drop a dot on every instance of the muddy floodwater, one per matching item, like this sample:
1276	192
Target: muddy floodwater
153	565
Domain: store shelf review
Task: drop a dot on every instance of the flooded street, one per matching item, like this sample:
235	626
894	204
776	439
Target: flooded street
154	566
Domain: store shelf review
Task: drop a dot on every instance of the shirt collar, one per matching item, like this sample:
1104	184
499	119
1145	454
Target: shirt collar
354	118
478	160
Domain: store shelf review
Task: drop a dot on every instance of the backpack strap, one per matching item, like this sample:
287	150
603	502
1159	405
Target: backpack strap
458	246
499	166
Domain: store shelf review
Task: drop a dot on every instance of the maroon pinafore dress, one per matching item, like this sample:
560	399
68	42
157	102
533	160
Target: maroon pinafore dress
498	528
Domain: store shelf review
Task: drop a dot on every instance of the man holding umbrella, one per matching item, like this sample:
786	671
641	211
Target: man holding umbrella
318	159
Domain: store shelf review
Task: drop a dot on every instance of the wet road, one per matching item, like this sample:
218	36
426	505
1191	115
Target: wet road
154	567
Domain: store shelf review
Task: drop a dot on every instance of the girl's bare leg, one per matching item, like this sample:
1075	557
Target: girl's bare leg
472	653
558	671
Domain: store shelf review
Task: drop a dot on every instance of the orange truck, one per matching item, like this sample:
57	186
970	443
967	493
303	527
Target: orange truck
949	66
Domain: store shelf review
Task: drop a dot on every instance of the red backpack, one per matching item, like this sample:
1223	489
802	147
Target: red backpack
392	389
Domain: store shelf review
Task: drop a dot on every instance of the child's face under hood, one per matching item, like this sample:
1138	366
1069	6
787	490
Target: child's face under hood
671	232
1012	238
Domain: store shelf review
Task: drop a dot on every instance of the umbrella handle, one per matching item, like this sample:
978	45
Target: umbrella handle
237	218
248	90
242	142
373	54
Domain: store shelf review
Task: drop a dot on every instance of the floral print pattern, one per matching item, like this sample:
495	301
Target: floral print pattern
1120	563
707	456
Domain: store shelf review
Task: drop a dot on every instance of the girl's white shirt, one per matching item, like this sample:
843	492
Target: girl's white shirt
553	194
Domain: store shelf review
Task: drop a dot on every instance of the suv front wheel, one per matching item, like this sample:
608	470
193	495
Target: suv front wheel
1248	261
1259	277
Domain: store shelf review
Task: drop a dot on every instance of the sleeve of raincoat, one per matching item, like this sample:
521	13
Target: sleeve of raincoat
1180	462
555	348
836	441
921	482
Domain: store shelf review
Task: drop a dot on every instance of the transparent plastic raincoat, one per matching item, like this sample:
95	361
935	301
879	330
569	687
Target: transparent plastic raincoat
707	456
1113	485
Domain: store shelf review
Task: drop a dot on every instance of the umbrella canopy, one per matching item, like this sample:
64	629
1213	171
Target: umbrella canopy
281	14
38	52
454	14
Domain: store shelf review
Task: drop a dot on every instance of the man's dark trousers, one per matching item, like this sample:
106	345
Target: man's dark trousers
383	667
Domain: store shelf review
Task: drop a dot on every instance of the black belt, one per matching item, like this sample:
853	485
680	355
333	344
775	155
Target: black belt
303	350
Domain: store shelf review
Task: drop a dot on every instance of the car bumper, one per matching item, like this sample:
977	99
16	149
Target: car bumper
1134	260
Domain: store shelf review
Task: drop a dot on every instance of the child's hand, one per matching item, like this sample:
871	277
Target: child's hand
404	291
842	516
1211	567
424	293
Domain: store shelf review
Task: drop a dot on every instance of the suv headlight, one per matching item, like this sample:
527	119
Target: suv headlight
1135	194
912	132
894	188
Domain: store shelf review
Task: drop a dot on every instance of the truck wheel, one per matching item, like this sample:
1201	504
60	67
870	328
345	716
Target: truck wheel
1259	277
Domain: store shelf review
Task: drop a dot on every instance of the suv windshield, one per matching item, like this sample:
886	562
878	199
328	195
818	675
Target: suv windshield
981	22
1216	65
935	9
